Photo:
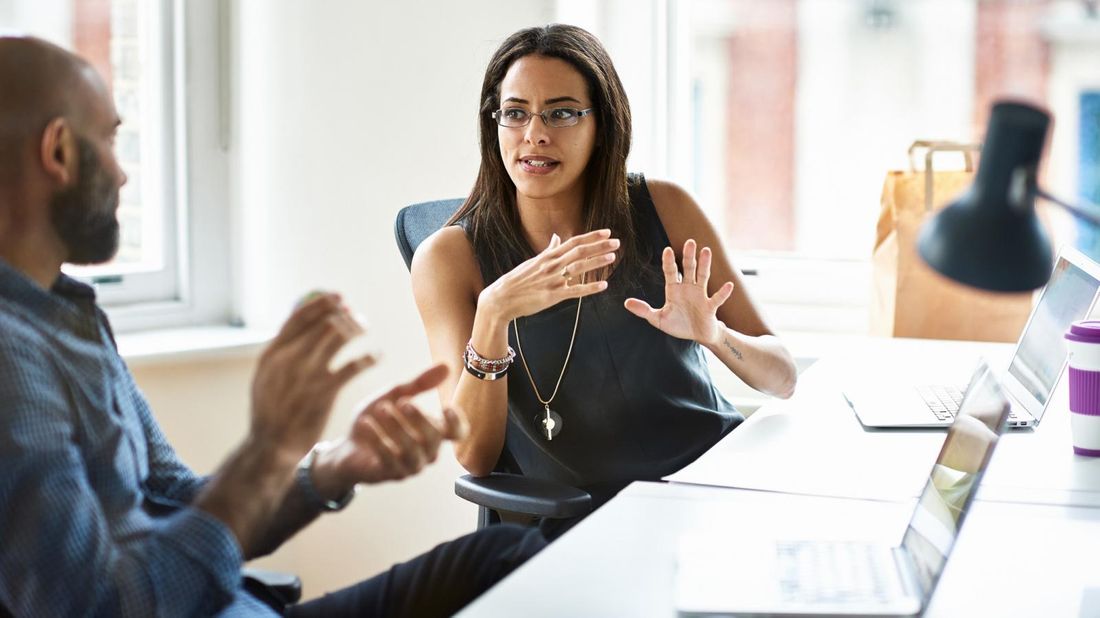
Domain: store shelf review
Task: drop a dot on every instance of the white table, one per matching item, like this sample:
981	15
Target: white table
1010	560
814	444
806	468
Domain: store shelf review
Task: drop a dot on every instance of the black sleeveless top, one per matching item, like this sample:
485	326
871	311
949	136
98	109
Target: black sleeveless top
635	403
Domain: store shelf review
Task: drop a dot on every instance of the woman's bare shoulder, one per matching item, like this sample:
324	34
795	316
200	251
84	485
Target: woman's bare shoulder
678	211
447	256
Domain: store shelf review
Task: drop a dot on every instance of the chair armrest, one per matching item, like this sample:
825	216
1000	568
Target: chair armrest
520	494
274	588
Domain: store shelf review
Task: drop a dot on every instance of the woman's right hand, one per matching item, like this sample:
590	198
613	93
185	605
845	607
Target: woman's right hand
555	274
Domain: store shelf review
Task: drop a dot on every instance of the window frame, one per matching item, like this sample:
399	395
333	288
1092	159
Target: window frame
194	288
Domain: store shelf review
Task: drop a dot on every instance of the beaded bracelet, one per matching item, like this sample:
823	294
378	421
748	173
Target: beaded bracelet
488	376
491	365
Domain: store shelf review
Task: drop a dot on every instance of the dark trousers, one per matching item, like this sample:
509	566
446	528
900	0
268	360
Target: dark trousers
437	583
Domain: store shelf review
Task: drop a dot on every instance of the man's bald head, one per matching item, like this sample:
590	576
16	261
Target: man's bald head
41	82
59	177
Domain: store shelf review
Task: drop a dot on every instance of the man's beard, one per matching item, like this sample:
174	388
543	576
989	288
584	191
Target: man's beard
85	215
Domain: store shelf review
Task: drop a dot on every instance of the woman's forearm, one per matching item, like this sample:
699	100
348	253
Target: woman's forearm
484	401
761	362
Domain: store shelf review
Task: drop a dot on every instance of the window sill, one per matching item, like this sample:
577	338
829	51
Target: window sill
197	343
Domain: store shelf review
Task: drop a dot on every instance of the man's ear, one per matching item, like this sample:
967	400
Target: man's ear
58	153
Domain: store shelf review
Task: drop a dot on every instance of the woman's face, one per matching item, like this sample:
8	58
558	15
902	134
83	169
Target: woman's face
545	161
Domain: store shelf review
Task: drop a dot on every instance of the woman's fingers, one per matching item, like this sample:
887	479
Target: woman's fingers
556	251
584	289
689	262
643	310
590	250
579	268
702	272
722	295
668	266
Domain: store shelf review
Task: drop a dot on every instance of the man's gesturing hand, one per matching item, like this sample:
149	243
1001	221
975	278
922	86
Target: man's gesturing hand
390	439
294	387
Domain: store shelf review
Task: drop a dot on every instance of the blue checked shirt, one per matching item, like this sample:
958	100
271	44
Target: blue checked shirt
94	515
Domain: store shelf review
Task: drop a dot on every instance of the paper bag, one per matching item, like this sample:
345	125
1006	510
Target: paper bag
908	298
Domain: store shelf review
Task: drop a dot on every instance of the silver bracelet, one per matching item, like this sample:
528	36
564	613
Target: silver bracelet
488	376
487	365
303	476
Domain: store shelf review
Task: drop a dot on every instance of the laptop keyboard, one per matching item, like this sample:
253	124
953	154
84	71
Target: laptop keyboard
815	572
943	401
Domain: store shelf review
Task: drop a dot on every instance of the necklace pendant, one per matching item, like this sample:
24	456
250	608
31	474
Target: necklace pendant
549	423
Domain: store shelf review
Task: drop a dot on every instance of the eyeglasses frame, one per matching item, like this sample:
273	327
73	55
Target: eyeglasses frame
581	113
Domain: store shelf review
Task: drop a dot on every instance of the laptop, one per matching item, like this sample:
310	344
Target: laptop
1036	365
769	577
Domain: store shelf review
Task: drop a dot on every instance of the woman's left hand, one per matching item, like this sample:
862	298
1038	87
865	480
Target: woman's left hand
688	312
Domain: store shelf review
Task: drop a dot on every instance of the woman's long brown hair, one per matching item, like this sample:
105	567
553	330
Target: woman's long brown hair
490	212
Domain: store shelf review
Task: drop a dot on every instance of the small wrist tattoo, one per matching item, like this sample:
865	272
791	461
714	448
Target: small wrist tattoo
733	350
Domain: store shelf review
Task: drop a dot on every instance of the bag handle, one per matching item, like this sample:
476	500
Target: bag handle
931	147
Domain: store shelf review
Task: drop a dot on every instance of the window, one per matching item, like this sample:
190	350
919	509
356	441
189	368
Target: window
784	116
122	40
169	138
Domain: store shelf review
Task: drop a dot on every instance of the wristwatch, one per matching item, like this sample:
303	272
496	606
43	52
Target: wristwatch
304	477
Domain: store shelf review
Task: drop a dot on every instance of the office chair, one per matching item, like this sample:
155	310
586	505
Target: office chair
503	490
272	587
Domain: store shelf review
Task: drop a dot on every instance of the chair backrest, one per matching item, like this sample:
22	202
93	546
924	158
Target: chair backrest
504	488
418	221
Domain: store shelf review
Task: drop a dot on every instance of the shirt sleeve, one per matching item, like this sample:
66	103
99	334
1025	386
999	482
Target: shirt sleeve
60	555
169	477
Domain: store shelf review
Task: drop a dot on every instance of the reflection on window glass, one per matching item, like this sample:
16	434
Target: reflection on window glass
804	105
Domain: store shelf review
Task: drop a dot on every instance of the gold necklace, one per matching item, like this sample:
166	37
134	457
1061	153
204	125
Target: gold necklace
551	422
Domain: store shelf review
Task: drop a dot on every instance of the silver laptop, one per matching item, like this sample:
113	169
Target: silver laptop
1033	372
848	578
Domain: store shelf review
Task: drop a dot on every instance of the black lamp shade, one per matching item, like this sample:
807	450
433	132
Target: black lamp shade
990	238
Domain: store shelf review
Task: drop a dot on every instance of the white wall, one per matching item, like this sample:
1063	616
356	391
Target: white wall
343	112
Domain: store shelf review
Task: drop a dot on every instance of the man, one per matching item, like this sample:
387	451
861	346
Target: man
97	514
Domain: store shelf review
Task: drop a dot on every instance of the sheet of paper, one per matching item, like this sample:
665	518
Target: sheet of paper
822	453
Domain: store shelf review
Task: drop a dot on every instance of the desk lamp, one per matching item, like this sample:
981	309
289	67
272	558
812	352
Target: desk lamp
990	237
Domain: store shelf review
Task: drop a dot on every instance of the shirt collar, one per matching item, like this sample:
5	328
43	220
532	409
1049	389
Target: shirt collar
68	301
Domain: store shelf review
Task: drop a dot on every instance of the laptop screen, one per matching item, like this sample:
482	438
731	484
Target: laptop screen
955	476
1041	353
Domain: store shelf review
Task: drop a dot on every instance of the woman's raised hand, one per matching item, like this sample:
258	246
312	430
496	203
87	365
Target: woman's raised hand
554	275
688	312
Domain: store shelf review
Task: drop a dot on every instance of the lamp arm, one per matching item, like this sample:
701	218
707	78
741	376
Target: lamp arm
1089	213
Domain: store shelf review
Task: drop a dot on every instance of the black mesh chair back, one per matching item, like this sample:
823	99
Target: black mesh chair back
503	490
419	221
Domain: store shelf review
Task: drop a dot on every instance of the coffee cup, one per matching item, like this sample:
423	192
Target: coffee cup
1083	343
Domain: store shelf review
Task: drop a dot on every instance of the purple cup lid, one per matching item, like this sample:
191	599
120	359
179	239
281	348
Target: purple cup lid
1084	331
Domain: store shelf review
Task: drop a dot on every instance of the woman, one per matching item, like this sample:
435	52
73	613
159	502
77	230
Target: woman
561	256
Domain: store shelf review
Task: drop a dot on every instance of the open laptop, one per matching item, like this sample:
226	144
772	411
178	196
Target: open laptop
1033	372
771	577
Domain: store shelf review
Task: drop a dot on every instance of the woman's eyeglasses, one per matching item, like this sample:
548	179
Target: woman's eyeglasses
557	118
